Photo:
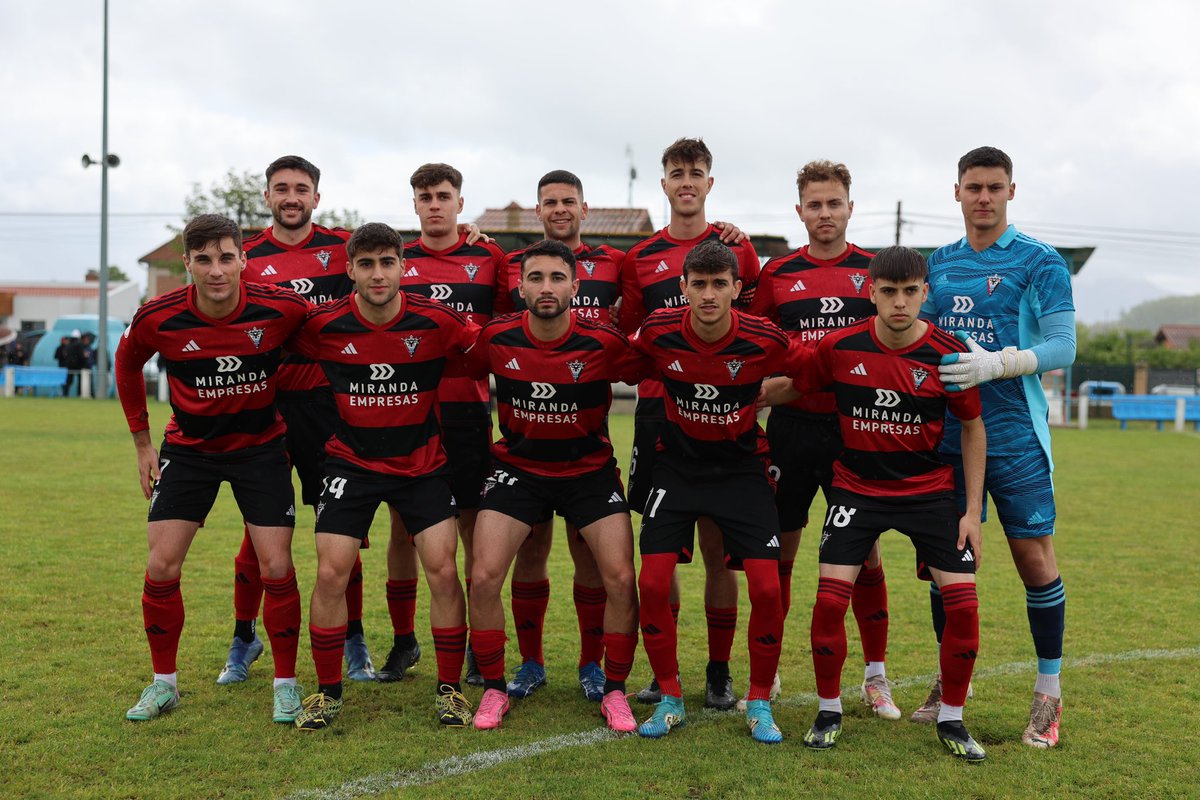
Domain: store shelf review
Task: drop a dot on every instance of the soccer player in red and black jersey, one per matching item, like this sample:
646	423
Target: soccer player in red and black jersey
553	372
711	360
309	259
384	352
892	406
461	270
219	341
650	280
816	289
562	211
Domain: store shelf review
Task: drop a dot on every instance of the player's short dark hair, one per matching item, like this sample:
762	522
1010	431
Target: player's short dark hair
559	176
207	228
688	151
710	257
432	174
372	238
550	247
985	157
822	170
294	162
898	264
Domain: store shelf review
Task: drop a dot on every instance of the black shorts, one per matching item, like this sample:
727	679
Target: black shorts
803	449
310	418
261	478
647	429
855	522
351	497
468	449
533	499
742	505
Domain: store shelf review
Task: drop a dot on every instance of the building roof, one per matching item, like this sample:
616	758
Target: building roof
1177	337
89	289
600	221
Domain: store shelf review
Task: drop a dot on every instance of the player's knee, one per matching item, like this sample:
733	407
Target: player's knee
331	580
764	594
486	581
653	591
161	568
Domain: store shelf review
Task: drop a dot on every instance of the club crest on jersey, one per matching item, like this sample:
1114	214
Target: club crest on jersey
470	269
323	257
858	279
588	266
734	367
410	343
992	282
576	368
919	375
255	335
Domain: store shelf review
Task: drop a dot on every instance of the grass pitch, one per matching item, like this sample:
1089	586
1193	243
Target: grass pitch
72	555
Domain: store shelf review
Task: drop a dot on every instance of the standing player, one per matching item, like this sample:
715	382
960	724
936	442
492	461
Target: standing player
1011	294
310	260
711	360
650	280
553	369
219	341
817	289
562	210
384	352
447	265
891	409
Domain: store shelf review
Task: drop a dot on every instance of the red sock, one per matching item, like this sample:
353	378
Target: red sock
402	607
590	602
675	613
354	592
658	626
829	635
766	624
162	615
722	627
785	586
488	647
618	655
247	582
327	646
281	618
869	600
529	602
450	649
960	642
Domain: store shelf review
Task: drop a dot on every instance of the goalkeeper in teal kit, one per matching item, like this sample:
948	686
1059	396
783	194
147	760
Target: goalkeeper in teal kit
1010	295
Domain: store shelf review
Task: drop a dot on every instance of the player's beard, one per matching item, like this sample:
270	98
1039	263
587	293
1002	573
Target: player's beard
559	309
305	218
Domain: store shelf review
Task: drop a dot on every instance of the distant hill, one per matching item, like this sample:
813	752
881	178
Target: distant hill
1153	314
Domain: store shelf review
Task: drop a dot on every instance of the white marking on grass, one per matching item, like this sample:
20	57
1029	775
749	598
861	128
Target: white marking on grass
435	771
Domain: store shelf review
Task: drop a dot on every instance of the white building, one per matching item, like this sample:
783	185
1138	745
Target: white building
27	305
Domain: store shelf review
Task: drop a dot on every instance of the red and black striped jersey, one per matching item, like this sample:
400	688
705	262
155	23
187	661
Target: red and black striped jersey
222	372
891	408
650	275
711	388
463	277
314	269
553	397
385	380
599	273
808	297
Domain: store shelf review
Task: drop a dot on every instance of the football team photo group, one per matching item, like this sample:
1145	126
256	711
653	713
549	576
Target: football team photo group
467	390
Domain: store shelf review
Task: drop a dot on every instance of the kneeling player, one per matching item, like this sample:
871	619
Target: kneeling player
891	410
711	360
553	371
220	342
384	352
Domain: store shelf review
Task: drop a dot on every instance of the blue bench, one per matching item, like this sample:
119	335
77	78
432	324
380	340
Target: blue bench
51	378
1154	408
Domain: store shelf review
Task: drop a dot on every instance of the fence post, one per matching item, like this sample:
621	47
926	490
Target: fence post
10	381
1180	406
164	394
1084	401
85	383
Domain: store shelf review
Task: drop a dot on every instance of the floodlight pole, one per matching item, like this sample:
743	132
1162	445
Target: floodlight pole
102	338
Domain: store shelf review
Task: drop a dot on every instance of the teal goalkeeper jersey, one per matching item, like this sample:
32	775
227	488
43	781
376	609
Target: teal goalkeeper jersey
998	296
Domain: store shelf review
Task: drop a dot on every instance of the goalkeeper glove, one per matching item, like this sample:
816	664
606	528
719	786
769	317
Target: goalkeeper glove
961	371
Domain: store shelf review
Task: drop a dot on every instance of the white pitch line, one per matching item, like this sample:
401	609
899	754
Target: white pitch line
435	771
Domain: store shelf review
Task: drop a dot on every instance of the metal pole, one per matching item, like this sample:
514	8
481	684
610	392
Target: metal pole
102	337
898	222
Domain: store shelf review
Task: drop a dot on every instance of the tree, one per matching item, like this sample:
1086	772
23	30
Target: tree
115	273
241	197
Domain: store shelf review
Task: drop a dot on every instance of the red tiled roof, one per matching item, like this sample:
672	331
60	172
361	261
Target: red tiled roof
1177	336
600	221
50	290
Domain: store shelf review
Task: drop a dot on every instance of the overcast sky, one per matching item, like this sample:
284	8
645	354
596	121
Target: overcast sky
1097	103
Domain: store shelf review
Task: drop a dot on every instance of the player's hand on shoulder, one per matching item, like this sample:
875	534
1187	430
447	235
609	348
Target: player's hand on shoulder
473	233
730	233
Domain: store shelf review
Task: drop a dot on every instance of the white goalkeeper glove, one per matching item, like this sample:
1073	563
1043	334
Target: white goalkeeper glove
961	371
